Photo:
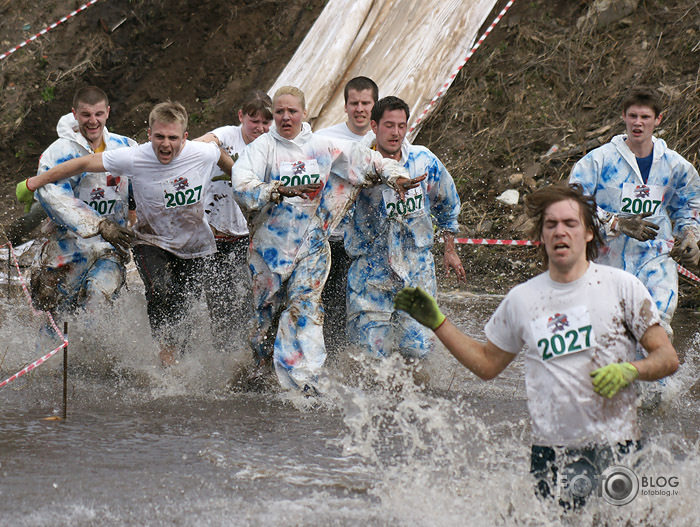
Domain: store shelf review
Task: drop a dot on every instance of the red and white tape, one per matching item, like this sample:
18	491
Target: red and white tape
49	28
453	75
51	353
483	241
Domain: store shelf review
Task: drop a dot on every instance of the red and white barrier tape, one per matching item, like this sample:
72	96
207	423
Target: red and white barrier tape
453	75
483	241
51	353
682	270
46	30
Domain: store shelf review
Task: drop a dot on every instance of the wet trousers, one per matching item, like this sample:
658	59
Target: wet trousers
299	350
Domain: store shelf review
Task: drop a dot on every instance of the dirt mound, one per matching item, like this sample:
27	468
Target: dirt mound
538	83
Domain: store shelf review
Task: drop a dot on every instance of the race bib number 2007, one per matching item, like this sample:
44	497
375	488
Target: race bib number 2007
101	199
412	203
300	173
179	192
637	199
563	333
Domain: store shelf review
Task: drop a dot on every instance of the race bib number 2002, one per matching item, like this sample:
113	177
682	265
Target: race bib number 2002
563	333
179	192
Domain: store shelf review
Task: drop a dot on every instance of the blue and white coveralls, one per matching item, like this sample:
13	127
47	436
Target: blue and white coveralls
289	255
90	267
672	193
390	244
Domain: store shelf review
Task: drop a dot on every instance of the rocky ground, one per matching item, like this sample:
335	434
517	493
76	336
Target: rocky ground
540	83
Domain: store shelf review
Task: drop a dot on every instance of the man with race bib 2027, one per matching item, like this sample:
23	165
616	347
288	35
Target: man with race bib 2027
390	240
170	177
647	195
84	259
579	324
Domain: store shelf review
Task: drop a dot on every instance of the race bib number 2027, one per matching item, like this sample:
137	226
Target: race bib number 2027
179	192
563	333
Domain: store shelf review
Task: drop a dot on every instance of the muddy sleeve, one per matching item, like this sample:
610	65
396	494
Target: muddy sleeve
249	175
684	206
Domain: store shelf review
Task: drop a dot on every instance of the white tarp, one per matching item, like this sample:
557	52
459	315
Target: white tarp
408	47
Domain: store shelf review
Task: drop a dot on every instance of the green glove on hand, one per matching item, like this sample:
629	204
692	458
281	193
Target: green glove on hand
24	195
420	305
610	379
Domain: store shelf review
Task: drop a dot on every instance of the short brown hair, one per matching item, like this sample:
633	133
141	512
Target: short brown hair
91	95
643	96
168	112
539	201
360	84
257	102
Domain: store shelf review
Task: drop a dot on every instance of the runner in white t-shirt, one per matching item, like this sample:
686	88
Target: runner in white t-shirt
579	324
227	288
170	178
360	95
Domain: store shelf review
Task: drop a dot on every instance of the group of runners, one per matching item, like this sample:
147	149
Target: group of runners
264	215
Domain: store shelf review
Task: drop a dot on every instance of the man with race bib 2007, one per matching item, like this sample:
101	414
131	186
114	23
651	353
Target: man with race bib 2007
170	177
390	239
84	259
579	324
647	195
296	188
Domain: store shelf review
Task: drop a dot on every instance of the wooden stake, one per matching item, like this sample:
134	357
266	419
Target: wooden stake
65	372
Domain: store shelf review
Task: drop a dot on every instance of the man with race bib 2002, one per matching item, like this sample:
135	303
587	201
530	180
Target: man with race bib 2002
170	177
579	324
390	239
647	195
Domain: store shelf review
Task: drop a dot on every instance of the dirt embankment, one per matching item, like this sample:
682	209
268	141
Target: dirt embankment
538	81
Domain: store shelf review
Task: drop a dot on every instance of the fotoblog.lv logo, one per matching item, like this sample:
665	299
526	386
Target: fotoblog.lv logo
618	485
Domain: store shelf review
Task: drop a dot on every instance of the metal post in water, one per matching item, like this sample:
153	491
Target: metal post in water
65	371
9	271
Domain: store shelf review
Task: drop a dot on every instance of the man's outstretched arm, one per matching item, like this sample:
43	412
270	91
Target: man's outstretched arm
484	359
70	168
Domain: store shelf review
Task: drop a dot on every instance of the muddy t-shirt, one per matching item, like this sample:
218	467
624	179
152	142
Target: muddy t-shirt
567	331
223	213
170	198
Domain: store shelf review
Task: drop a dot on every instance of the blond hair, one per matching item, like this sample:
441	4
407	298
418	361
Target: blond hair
168	112
293	91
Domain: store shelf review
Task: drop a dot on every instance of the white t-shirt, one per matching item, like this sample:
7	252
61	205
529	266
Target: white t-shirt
170	198
339	131
569	330
342	132
223	213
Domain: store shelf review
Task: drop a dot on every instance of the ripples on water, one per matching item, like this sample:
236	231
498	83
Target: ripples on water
143	446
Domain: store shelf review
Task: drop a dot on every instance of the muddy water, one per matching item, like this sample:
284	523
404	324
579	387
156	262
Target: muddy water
143	446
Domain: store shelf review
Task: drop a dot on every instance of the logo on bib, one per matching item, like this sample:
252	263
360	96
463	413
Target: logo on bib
97	193
180	183
557	322
641	191
299	168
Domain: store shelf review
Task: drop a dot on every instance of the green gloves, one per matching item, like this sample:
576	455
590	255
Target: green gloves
610	379
24	195
420	305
